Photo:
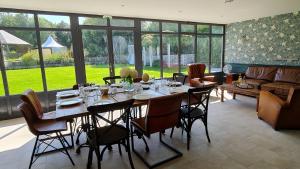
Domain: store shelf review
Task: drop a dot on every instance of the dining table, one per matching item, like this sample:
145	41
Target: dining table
118	95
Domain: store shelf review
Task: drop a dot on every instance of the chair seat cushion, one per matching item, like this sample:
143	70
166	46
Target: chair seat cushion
196	113
50	126
109	134
280	89
256	82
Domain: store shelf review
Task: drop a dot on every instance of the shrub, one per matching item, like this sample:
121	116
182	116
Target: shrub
30	58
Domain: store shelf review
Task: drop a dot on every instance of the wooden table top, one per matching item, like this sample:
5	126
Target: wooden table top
80	109
235	89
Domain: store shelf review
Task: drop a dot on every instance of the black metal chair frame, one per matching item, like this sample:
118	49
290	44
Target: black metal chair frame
150	166
177	75
38	142
110	79
92	131
199	108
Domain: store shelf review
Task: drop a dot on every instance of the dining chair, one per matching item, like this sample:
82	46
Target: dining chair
31	98
179	77
111	79
108	135
194	108
43	129
162	113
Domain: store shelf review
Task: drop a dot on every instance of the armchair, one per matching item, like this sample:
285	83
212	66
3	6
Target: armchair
196	74
280	114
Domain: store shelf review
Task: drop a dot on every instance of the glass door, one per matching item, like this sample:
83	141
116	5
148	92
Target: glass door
123	49
96	56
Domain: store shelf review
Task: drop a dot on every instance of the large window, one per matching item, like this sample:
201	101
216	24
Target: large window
57	51
151	54
11	19
95	55
170	54
123	49
203	50
216	53
54	21
21	61
187	51
2	93
92	21
58	57
49	51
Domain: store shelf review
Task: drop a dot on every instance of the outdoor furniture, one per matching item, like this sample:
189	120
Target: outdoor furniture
30	97
44	128
158	119
279	113
111	79
194	108
179	77
107	135
252	92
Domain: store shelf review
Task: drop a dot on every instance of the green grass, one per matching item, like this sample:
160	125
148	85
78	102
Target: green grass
64	77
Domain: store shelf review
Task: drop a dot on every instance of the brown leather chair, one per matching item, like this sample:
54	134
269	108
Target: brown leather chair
280	114
196	74
31	98
44	128
162	113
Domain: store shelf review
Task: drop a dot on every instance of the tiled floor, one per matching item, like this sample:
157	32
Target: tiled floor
239	141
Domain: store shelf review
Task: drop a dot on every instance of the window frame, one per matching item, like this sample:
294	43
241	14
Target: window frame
75	29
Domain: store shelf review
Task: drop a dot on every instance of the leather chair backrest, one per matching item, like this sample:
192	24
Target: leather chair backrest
30	97
196	70
261	72
163	113
291	75
29	115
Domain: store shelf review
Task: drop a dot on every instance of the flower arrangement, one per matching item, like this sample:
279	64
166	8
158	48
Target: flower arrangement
128	75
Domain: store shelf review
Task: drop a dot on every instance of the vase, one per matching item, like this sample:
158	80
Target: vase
128	87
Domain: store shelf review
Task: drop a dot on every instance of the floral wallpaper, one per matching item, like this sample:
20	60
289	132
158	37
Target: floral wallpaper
271	40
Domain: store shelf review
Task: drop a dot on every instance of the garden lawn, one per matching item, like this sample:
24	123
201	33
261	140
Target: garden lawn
63	77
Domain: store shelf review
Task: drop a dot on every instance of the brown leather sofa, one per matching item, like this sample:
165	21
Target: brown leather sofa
276	79
285	78
279	113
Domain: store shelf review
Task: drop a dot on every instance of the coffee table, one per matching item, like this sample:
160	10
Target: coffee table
240	91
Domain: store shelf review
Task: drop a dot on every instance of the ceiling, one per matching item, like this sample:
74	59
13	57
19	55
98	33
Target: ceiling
211	11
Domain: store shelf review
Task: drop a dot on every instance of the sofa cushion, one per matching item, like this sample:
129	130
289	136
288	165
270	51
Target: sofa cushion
290	75
256	82
251	72
261	73
281	89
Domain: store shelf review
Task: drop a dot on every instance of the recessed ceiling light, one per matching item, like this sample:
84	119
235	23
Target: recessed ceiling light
122	5
180	11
